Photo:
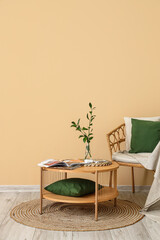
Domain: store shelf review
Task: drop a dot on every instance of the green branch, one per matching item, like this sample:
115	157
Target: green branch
86	132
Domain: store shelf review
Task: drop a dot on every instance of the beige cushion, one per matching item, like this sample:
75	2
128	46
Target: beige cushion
129	157
128	127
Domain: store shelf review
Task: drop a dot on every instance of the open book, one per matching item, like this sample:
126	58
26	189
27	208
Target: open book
67	163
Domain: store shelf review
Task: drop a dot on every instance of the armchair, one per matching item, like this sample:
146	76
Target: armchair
115	139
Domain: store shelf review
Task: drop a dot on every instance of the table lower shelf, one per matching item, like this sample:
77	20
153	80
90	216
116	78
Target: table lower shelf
104	194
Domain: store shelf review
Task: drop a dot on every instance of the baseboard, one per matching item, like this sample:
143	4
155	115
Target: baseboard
19	188
36	188
137	188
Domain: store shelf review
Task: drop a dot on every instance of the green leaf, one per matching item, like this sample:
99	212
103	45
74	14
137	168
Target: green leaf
87	116
81	136
90	105
90	138
73	125
90	112
92	118
90	134
78	128
73	122
84	139
84	128
78	121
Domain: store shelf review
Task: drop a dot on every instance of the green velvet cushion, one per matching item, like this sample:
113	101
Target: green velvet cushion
145	136
74	187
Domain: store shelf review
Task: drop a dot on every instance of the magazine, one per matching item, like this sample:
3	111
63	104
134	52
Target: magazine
67	163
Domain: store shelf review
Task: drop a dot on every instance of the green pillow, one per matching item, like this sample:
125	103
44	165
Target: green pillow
74	187
145	136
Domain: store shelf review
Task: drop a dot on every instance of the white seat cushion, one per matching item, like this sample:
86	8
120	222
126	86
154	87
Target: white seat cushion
129	157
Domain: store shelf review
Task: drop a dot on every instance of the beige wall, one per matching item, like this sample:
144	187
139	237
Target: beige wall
55	57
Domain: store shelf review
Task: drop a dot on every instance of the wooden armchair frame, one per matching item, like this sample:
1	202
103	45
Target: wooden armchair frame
115	139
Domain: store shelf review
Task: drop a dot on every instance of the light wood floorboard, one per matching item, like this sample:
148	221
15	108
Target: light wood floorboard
6	202
54	235
145	229
99	235
11	230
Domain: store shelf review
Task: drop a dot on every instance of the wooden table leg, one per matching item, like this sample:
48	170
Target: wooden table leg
41	173
65	175
115	186
96	195
115	202
110	179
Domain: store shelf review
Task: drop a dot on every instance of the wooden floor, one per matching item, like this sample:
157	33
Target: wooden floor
10	230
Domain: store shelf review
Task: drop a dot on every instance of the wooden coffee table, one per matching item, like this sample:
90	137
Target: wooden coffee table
102	195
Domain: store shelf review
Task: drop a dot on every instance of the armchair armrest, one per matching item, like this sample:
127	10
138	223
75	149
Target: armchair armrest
115	138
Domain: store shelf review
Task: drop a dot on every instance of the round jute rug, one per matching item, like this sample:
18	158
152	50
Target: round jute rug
76	217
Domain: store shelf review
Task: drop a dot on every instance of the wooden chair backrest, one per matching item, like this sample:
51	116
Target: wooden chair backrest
115	138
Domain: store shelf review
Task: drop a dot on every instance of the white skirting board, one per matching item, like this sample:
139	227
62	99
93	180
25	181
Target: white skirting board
19	188
36	188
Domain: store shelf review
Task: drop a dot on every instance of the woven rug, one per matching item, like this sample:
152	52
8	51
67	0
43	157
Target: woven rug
76	217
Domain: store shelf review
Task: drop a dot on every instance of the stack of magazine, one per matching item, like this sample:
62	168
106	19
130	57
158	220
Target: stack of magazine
66	164
72	164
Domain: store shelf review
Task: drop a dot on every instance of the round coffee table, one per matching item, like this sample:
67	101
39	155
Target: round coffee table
102	195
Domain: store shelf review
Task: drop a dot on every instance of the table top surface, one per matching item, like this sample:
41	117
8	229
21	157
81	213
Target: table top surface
84	169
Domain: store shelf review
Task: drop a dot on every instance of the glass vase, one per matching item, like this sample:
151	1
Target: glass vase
88	151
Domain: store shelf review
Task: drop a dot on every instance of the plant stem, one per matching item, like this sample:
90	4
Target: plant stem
89	127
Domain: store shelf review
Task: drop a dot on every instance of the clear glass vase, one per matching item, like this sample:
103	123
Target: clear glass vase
88	151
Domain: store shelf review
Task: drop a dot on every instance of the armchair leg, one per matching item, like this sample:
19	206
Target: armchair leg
133	186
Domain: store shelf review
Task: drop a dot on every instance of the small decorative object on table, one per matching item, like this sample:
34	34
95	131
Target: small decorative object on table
86	132
97	163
